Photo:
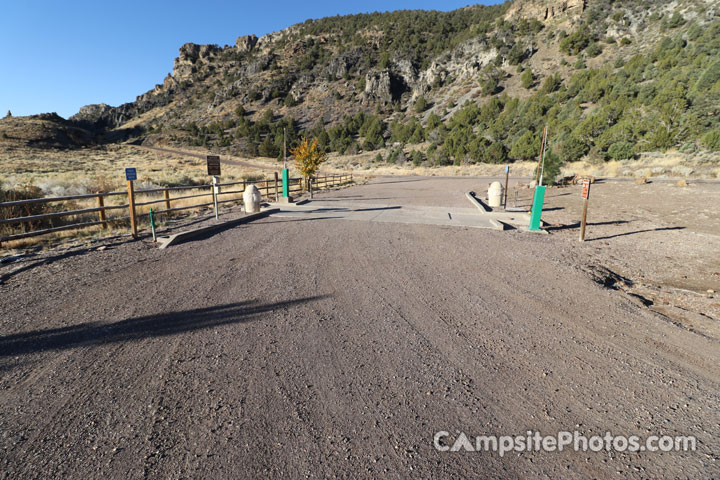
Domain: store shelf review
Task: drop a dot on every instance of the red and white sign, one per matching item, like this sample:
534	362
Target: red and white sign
586	188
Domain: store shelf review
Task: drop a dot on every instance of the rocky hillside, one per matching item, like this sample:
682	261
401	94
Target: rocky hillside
47	130
610	79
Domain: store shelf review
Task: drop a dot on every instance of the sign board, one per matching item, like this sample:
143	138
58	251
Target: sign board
213	165
507	168
130	174
586	188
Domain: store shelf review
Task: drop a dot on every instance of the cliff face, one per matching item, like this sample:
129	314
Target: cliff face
260	70
411	65
544	10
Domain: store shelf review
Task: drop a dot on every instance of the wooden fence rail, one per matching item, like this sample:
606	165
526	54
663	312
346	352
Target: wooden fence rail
269	189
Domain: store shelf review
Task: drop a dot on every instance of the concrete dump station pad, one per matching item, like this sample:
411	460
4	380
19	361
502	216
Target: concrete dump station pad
409	200
454	217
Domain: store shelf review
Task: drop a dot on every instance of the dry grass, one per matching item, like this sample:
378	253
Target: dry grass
670	164
75	172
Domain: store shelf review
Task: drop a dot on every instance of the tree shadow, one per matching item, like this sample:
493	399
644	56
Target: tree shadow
400	181
172	323
633	233
396	207
281	219
320	198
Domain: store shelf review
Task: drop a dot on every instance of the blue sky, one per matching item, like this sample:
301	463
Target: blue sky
56	56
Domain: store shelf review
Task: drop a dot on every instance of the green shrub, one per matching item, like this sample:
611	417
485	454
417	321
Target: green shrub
621	151
676	20
417	158
551	84
711	140
526	147
577	41
594	49
495	153
516	54
489	84
552	167
709	77
572	149
289	101
421	105
527	78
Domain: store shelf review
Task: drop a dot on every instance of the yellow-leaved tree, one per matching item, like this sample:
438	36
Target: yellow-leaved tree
308	157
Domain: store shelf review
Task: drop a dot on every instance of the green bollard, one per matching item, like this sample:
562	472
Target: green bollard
285	183
152	224
537	208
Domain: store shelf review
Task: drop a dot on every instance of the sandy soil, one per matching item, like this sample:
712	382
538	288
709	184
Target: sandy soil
326	348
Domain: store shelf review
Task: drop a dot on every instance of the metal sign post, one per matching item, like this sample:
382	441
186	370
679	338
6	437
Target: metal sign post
507	178
213	168
585	194
152	224
541	160
131	176
215	190
285	186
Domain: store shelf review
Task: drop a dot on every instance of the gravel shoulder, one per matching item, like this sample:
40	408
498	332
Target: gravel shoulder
321	348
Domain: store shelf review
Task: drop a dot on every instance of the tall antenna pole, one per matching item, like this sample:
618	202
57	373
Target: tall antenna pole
541	170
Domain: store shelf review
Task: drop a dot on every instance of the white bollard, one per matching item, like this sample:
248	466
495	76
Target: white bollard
252	199
495	193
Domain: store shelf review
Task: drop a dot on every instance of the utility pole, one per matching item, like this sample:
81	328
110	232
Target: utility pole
541	162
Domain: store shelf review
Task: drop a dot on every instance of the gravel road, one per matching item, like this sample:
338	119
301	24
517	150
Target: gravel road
318	348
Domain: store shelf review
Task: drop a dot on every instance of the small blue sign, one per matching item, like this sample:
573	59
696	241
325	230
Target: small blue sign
507	168
130	174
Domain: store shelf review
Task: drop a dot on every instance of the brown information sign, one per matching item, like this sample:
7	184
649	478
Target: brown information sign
213	165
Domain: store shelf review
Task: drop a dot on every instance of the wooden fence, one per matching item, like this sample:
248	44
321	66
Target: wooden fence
37	224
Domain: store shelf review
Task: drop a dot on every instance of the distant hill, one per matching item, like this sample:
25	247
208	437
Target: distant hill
611	79
47	130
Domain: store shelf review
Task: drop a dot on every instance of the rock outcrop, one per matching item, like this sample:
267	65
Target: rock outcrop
544	10
190	55
246	43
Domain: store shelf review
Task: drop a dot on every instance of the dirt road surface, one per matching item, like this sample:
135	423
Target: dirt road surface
317	347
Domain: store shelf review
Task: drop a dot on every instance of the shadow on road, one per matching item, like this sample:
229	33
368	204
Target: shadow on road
350	198
32	263
638	231
400	181
285	219
96	333
589	224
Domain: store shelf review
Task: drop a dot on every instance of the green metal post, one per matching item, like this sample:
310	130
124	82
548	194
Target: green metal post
537	208
285	182
152	224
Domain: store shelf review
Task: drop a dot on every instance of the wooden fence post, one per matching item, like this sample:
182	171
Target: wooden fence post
131	205
276	188
166	194
101	213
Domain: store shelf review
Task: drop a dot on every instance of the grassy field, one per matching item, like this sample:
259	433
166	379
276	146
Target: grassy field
86	170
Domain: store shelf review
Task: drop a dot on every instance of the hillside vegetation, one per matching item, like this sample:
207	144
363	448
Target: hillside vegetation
610	79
